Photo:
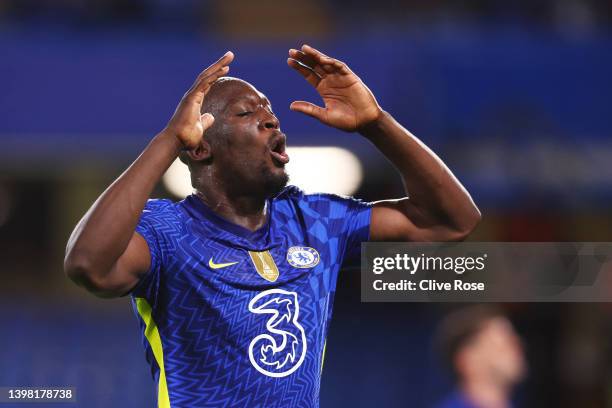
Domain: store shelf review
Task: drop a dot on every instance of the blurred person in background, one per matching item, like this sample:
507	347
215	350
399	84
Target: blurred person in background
234	285
485	355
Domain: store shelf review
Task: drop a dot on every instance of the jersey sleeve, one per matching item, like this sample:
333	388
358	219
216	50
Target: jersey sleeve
357	226
157	225
348	221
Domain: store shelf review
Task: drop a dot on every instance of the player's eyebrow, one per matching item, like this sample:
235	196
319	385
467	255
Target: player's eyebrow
232	102
267	102
242	98
250	98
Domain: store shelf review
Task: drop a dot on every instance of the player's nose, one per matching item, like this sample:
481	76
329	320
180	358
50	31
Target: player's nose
271	122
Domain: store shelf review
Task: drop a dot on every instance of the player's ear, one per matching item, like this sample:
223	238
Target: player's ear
201	152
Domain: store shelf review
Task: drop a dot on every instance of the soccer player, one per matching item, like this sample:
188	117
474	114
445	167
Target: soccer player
484	354
234	285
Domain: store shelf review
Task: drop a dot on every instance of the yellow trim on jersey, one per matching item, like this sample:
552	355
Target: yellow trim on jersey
152	335
323	354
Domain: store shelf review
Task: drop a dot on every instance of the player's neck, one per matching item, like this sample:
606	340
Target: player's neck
485	393
249	212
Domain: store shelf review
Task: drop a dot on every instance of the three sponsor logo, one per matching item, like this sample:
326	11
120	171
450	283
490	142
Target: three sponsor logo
281	349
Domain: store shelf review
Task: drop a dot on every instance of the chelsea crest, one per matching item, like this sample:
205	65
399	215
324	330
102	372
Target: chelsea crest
302	257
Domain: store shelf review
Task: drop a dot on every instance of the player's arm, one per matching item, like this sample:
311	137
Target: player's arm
104	253
437	206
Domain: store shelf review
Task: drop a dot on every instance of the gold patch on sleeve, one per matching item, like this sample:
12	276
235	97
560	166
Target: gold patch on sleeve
264	264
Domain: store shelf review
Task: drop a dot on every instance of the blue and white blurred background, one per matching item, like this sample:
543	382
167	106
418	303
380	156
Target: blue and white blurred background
514	95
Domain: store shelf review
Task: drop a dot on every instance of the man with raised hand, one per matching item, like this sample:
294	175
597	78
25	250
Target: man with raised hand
234	285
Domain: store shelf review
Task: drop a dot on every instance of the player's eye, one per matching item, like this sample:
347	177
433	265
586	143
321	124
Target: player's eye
246	113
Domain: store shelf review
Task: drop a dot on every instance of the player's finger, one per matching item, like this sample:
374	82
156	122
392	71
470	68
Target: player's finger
218	72
311	76
225	60
300	56
201	87
308	61
207	120
221	64
328	63
316	54
208	81
340	66
309	109
204	80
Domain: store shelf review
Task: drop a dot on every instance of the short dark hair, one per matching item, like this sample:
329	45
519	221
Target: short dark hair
459	327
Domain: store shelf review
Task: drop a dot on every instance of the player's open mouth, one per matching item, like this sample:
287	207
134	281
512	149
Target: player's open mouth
277	151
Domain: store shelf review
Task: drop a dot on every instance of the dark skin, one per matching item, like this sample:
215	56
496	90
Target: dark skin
239	163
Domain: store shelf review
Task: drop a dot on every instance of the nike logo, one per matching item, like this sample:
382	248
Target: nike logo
220	265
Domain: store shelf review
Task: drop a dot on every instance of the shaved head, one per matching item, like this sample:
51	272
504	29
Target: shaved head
241	149
215	103
216	98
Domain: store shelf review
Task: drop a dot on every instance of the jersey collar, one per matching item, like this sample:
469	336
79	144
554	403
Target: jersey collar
196	208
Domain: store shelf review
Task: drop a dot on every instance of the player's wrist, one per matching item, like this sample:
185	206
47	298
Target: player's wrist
374	126
170	139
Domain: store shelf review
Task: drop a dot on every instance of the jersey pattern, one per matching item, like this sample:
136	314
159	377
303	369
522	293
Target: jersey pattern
238	318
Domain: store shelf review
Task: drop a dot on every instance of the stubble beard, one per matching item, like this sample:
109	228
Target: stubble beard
273	182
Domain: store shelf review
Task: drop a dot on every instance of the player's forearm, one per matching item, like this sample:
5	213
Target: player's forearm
429	183
104	232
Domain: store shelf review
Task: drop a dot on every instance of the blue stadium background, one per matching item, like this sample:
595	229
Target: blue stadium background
515	97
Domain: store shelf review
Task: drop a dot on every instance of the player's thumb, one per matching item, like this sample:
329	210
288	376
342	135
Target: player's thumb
207	120
308	108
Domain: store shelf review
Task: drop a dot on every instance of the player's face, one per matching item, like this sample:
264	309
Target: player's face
498	350
253	153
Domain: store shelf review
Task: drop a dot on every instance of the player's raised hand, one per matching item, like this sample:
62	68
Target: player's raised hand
187	123
349	104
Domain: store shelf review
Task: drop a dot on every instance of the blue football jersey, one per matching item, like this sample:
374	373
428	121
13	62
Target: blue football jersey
238	318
